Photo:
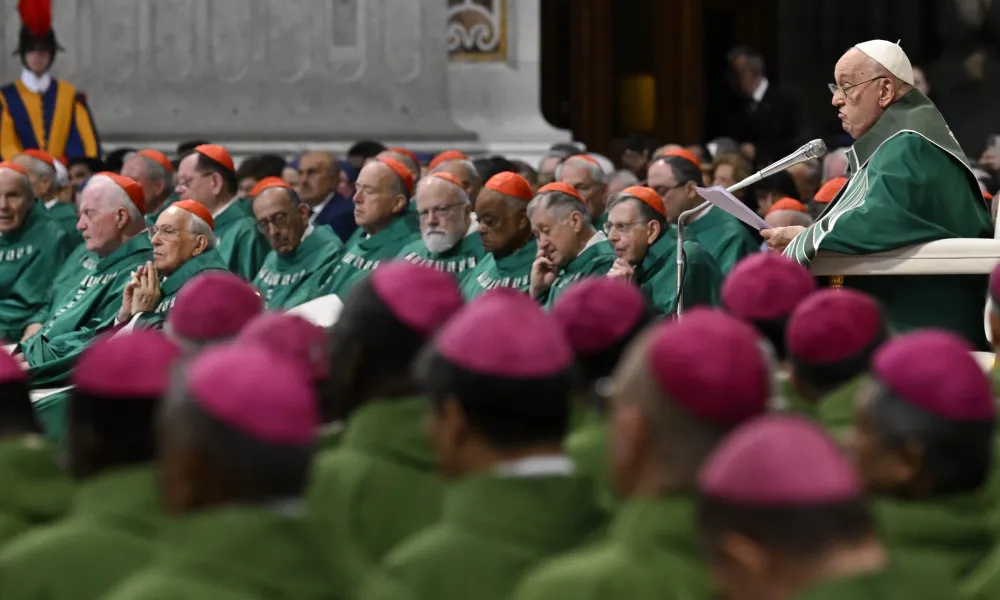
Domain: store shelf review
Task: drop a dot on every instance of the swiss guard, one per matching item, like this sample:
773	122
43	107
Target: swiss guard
37	111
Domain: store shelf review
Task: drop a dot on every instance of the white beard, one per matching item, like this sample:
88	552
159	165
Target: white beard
438	240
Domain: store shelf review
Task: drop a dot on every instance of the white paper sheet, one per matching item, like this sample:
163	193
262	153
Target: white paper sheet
720	198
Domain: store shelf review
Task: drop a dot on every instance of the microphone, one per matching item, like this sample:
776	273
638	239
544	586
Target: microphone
808	151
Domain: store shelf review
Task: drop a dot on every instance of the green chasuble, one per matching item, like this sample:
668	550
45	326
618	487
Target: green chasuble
909	183
511	271
723	236
587	445
242	247
64	215
77	265
493	529
898	582
459	260
33	489
209	260
29	260
364	253
288	280
153	216
949	535
250	552
649	554
380	485
656	276
91	308
836	410
108	536
594	260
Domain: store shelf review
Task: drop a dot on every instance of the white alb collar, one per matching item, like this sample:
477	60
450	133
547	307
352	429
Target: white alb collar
222	209
536	466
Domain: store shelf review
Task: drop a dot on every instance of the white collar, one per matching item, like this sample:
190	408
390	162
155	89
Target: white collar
758	94
597	238
50	203
536	466
319	207
36	84
222	209
307	232
473	225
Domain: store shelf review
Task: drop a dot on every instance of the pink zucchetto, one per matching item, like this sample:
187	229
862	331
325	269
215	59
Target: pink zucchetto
127	365
420	297
597	313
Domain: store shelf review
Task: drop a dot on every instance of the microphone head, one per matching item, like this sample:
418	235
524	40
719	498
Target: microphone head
815	149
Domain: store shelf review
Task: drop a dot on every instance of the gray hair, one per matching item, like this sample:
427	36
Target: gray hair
596	172
40	167
116	198
626	176
458	190
837	154
25	184
468	165
561	204
155	170
646	212
198	226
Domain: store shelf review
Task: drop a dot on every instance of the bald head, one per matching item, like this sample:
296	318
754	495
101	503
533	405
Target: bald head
411	166
466	172
788	218
319	174
865	90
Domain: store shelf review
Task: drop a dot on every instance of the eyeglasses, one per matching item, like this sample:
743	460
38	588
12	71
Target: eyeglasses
621	227
438	211
186	183
279	220
167	232
663	190
835	89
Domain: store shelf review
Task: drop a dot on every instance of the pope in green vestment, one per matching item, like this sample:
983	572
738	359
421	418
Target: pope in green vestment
656	275
242	247
91	308
288	280
723	236
909	183
380	485
594	260
493	529
365	252
649	554
239	552
35	490
511	271
108	535
460	260
29	260
209	260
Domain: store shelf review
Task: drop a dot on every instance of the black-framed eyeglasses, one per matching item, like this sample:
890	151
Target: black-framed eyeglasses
835	88
279	220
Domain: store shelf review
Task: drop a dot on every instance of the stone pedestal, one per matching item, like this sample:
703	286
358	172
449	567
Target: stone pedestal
494	76
257	75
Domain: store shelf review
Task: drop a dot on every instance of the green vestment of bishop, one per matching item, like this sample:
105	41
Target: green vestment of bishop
380	485
65	217
288	280
494	528
512	271
649	553
364	253
656	275
909	183
91	308
594	260
153	216
33	489
459	260
209	260
109	534
898	582
723	236
242	247
29	260
77	265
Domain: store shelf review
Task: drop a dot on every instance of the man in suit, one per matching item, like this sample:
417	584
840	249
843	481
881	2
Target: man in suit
764	119
319	174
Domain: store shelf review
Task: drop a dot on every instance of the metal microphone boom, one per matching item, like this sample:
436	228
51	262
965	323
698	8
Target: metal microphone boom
808	151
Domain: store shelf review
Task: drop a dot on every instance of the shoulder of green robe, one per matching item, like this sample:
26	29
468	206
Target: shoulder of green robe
896	582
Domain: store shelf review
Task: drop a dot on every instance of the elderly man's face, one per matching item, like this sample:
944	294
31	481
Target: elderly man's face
862	96
630	235
101	222
173	241
281	221
194	185
41	187
500	226
15	201
558	238
316	177
594	193
377	197
135	167
444	215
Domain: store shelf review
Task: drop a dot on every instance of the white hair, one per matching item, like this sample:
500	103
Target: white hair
558	203
200	227
468	165
155	171
832	161
116	197
625	176
62	176
606	165
595	170
40	167
458	190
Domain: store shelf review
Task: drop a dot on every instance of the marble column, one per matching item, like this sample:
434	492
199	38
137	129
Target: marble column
257	75
494	76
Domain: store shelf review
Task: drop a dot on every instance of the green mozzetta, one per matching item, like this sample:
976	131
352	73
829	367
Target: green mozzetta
383	459
241	552
656	275
460	260
242	247
108	535
153	216
287	280
77	265
511	271
649	553
92	307
948	536
33	489
210	260
64	215
493	529
594	260
723	236
896	582
29	260
909	183
364	253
